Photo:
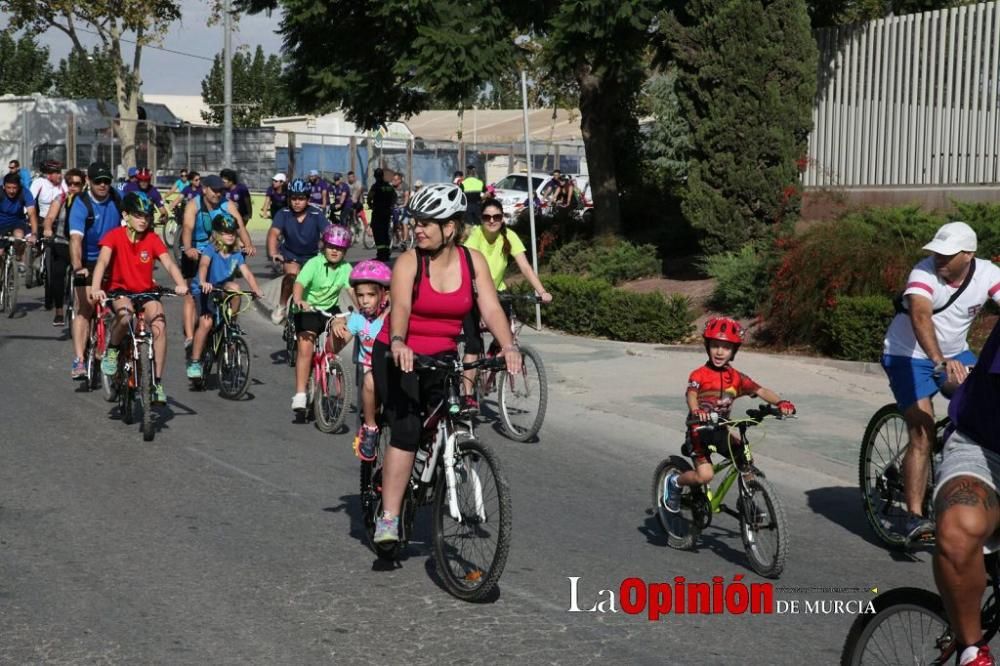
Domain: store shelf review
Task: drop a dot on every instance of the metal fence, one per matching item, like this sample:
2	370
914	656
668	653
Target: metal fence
909	100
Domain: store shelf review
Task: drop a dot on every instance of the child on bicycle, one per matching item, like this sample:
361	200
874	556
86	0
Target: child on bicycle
370	280
217	268
130	252
317	288
714	387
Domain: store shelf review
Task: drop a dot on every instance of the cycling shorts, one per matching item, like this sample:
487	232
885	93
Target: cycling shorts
89	280
294	257
912	379
472	334
312	322
11	226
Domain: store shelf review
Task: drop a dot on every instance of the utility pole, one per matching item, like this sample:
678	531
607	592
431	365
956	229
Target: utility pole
531	190
227	88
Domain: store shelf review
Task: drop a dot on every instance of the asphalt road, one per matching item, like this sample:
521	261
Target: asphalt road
235	536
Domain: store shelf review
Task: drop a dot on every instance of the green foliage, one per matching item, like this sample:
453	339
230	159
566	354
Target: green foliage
742	283
985	219
587	306
855	327
82	75
257	85
612	260
838	12
24	66
746	81
669	138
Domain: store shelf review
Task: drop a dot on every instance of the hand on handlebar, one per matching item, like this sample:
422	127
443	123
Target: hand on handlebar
303	306
786	407
98	296
402	355
700	414
955	371
206	287
512	357
181	289
192	254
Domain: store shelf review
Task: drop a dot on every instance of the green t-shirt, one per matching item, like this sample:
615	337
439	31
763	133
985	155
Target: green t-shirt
493	252
323	283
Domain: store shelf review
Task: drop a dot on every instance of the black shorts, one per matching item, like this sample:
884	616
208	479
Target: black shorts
405	396
189	267
312	322
86	281
471	333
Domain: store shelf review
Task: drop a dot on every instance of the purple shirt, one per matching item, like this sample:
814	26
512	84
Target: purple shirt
337	190
151	192
316	191
973	407
190	192
277	199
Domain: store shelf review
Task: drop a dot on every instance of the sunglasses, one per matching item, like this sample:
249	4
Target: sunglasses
101	181
493	218
74	183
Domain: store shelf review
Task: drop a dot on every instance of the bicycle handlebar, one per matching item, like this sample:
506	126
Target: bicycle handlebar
422	362
161	291
756	416
510	298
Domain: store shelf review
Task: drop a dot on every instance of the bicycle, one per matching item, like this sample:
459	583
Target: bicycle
909	626
227	346
328	393
522	399
132	383
9	274
758	507
361	232
462	480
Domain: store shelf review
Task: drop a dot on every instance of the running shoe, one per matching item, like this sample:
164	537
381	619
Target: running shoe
109	364
386	530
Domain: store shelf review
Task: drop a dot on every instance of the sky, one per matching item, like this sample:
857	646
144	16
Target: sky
166	73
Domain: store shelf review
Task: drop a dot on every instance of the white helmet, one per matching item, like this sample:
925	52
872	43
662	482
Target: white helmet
440	201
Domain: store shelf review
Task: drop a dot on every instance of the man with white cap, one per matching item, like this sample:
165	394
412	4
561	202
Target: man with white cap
319	191
276	196
926	345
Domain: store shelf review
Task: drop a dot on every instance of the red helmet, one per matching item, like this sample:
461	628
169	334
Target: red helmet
144	174
723	328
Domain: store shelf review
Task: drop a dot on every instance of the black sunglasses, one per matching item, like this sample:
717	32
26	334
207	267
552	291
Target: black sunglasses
492	218
74	183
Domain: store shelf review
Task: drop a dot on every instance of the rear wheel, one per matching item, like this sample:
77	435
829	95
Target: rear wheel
176	244
171	232
3	282
30	276
291	344
524	397
371	499
763	528
13	282
907	627
683	527
330	403
126	387
880	468
234	367
146	391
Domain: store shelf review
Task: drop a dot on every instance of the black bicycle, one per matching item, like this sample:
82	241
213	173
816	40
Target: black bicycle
10	278
227	348
461	478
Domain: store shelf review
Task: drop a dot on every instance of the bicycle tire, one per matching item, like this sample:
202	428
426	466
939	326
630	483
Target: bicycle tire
368	238
880	475
291	344
233	371
170	232
29	266
371	500
126	396
12	284
466	579
176	246
3	283
767	561
70	309
523	402
330	406
145	391
901	616
682	528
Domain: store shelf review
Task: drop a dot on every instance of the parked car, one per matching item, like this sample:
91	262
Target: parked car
512	192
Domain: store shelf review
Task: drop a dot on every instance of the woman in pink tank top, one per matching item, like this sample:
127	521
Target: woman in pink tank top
433	289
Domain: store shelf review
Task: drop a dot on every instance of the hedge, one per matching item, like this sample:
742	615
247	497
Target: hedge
856	326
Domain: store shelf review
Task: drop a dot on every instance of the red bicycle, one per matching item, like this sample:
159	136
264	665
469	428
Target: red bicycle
328	393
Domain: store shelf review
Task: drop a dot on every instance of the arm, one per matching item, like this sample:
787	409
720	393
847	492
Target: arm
76	253
97	294
251	280
180	284
33	221
203	265
772	398
493	314
529	274
187	231
242	232
921	318
50	217
272	241
401	296
298	292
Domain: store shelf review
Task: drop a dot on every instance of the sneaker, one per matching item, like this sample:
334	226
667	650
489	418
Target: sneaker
366	443
109	364
671	493
982	658
59	320
20	268
918	528
159	395
470	405
299	402
79	370
194	370
278	315
386	530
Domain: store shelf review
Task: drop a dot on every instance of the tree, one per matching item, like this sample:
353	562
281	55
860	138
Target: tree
668	139
83	75
746	80
257	85
144	22
391	59
844	12
24	67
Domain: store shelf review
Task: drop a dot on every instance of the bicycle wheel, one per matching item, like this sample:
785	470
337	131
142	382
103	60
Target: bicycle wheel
371	499
368	238
12	284
330	403
683	527
880	471
170	232
3	283
178	251
764	528
291	344
68	299
126	393
470	552
234	367
905	629
145	390
524	397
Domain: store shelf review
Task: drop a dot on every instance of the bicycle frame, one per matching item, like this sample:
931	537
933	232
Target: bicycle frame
222	327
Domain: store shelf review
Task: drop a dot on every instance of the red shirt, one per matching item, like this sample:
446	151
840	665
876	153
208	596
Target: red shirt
132	263
717	388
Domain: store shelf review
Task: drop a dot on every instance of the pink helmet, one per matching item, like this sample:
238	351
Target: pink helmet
371	270
336	235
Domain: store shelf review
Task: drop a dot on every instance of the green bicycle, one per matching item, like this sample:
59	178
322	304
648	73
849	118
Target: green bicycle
227	346
763	526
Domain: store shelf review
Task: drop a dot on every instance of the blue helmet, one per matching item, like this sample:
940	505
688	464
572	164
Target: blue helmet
299	186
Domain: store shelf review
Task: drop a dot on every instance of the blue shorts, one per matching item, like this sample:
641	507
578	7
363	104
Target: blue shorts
290	256
912	379
9	228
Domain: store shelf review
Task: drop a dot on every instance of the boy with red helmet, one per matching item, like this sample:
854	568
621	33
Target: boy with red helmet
714	387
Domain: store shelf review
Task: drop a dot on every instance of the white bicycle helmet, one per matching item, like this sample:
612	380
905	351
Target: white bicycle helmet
440	201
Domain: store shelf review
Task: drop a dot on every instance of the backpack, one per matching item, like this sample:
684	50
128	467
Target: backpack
113	194
422	259
900	304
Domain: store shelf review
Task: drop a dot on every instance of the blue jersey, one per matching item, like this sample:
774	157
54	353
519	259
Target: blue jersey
202	233
366	330
12	210
220	270
106	218
301	238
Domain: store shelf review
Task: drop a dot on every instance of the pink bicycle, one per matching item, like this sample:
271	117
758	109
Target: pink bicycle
328	393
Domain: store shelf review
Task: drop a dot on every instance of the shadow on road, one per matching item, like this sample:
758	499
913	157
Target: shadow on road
715	538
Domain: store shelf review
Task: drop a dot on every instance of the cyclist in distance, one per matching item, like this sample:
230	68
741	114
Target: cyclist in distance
357	196
319	191
56	225
714	387
144	183
433	289
49	191
130	252
238	193
399	229
179	184
927	339
301	227
276	196
340	197
17	211
473	188
381	198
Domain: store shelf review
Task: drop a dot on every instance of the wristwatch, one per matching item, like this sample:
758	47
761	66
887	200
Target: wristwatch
397	337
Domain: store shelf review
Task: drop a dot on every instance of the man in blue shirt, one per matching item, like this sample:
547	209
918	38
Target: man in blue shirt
340	200
23	173
92	214
302	226
14	220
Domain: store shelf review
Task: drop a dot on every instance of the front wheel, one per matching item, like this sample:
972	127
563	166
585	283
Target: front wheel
907	628
683	527
291	343
176	244
234	367
331	398
764	528
524	397
145	389
171	232
472	537
12	284
880	471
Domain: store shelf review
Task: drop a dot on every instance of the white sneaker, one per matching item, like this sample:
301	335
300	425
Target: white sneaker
299	402
278	315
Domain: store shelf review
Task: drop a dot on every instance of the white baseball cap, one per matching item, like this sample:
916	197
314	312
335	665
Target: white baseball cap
313	172
953	238
280	177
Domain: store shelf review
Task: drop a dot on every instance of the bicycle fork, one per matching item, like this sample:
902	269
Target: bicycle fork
450	443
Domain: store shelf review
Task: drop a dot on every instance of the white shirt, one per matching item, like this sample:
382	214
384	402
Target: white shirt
45	193
951	326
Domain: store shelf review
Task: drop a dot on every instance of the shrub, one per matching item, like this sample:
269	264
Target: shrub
613	260
856	326
741	281
985	219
